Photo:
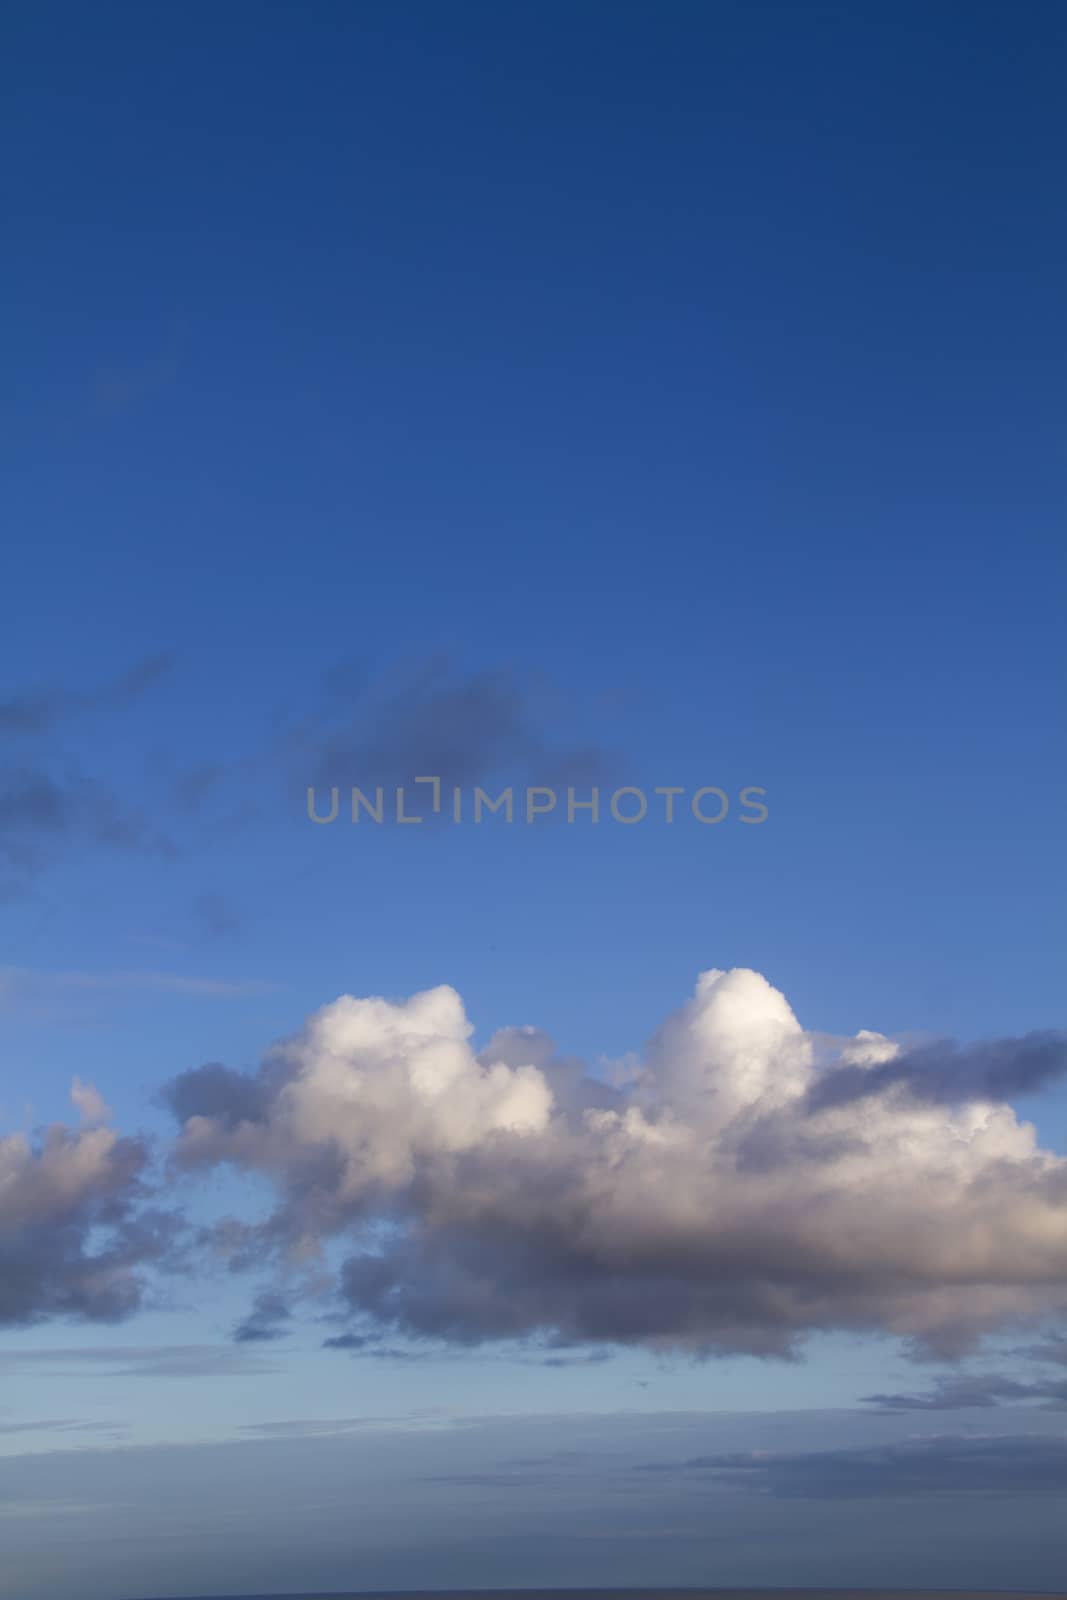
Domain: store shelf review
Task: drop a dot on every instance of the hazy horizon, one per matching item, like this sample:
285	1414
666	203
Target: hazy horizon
644	1594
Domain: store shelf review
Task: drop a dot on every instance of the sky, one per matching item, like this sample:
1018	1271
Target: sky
664	402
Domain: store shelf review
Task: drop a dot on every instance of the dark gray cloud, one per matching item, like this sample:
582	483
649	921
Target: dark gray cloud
512	1280
350	1341
74	1233
365	1343
591	1358
267	1320
964	1391
1007	1465
371	1346
226	1096
946	1073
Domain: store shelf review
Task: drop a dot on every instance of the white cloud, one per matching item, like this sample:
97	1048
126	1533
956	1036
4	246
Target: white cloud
722	1198
30	983
92	1107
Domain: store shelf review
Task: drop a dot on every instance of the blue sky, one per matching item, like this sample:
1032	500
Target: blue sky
583	394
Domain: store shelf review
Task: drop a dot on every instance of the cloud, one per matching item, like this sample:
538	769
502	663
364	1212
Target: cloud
135	1361
42	813
92	1107
215	917
192	788
714	1203
56	1425
1053	1350
267	1319
1016	1465
37	712
460	729
962	1391
217	1093
35	984
319	1427
943	1072
47	805
72	1235
979	1391
591	1358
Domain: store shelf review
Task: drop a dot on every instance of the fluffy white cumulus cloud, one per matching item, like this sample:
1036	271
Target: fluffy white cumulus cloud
748	1184
376	1091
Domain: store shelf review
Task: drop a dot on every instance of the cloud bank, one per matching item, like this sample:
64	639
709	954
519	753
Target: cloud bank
747	1185
999	1464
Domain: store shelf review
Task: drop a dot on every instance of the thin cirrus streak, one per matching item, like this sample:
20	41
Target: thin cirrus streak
32	980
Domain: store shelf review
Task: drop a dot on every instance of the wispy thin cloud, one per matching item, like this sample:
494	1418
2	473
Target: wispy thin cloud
16	980
327	1427
39	710
135	1361
58	1425
48	805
